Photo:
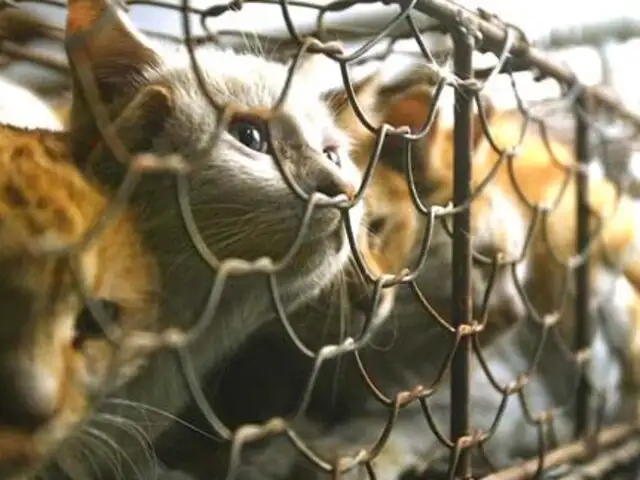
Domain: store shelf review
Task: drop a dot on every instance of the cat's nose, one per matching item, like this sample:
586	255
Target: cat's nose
29	394
333	185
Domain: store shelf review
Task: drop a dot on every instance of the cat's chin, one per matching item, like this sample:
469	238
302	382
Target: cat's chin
325	256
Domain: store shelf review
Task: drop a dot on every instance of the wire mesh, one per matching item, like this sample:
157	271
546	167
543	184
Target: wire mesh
455	394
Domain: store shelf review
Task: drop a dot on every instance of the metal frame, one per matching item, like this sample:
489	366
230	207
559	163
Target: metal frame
471	31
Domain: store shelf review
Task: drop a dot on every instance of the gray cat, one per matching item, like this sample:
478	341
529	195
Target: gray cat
240	202
343	415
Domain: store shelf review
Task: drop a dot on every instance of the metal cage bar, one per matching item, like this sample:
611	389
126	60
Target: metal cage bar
471	32
461	310
583	333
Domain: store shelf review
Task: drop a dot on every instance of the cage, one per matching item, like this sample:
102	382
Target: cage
491	353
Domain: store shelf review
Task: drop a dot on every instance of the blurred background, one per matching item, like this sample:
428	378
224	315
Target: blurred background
575	32
599	41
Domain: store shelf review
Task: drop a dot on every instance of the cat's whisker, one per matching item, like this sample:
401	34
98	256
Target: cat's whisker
116	448
157	411
224	242
244	224
275	46
260	44
178	260
355	275
252	42
220	240
246	40
130	426
90	443
222	206
344	316
222	227
253	214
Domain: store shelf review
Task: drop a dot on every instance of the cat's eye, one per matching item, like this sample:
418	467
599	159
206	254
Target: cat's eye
376	225
89	327
332	154
249	132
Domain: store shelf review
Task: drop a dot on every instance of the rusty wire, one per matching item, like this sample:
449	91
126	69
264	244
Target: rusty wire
469	31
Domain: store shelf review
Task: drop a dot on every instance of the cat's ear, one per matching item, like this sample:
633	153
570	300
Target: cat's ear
144	117
366	95
101	38
109	60
411	108
137	126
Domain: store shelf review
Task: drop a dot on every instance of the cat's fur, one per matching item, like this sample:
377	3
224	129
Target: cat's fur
238	197
408	348
55	360
352	419
499	222
614	258
500	217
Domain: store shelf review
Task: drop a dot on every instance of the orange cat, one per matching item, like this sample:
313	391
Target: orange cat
499	226
270	361
391	215
501	216
55	357
395	224
392	225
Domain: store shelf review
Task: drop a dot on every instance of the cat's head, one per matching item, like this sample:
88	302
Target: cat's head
390	221
498	214
397	228
55	358
240	201
498	220
407	102
390	216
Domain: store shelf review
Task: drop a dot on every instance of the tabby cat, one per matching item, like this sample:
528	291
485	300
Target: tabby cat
56	359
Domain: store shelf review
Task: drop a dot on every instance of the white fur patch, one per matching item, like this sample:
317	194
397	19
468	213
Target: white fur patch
614	294
501	227
22	108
